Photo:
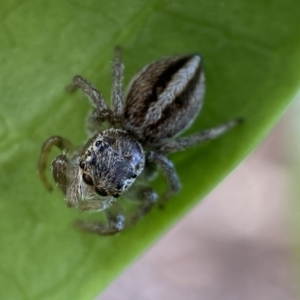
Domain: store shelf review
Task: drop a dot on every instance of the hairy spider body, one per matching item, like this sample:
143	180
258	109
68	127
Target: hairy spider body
162	100
166	100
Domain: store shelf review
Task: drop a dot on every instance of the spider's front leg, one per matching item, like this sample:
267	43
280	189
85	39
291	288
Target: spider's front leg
102	112
115	221
59	165
117	80
93	94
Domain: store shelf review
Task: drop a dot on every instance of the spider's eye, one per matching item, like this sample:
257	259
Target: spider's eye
87	179
101	145
81	164
101	192
116	195
133	176
98	143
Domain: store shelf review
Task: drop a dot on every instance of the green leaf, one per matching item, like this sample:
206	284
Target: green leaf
251	51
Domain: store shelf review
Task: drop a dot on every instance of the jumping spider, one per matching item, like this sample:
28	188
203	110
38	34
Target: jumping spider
162	100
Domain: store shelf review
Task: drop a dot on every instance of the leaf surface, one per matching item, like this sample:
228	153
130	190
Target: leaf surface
251	52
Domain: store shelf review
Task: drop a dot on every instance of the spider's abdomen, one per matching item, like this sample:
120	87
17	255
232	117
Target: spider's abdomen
164	98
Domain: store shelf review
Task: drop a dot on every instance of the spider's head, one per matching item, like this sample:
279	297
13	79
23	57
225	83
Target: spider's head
110	163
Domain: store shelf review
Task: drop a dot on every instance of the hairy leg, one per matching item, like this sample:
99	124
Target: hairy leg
146	198
117	80
103	112
169	171
60	170
59	142
115	224
197	138
116	221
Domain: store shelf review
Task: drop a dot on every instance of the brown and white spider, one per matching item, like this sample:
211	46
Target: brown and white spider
162	100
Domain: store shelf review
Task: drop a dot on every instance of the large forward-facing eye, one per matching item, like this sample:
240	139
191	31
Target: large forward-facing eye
81	164
101	145
87	179
101	192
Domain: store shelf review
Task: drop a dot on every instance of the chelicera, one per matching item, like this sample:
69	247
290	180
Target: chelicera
162	100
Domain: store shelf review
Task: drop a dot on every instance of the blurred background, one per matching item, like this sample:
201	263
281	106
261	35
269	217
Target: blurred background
239	243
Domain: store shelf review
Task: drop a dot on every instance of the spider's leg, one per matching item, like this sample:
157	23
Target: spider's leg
117	79
146	197
103	112
169	171
115	218
59	142
198	138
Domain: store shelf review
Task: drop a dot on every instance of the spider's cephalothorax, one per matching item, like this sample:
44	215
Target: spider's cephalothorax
110	163
162	100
